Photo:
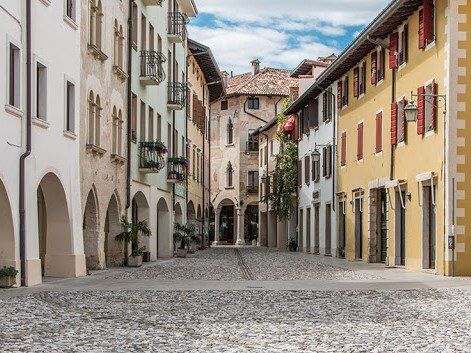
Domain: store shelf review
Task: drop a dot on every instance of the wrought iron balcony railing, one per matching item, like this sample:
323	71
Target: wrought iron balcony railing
177	169
176	95
151	156
152	72
177	23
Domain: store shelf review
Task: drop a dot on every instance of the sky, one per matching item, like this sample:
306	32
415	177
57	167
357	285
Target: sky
280	33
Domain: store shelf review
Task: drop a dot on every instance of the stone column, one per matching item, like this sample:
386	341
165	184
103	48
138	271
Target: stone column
217	223
240	226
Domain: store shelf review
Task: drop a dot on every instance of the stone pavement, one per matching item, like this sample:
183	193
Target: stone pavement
219	301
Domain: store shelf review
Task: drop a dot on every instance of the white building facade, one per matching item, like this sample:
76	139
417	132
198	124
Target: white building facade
48	115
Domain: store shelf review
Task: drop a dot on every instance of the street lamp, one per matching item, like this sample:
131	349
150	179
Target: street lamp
316	155
411	111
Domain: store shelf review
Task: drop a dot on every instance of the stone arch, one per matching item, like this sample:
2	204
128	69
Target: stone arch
198	214
54	227
225	221
7	229
190	212
164	234
114	250
94	254
178	213
140	212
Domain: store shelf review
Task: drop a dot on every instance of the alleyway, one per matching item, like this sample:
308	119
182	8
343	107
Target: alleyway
241	300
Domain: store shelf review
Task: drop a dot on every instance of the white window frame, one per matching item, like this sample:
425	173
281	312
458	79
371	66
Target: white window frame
72	131
15	110
38	61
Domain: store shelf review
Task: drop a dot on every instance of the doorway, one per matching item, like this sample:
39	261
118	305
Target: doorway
308	230
316	229
227	225
429	210
358	229
341	230
301	231
328	229
400	239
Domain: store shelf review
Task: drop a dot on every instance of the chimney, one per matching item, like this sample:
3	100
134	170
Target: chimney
255	66
224	78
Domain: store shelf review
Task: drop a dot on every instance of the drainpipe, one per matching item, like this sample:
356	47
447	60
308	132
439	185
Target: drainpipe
209	179
203	167
22	191
393	99
129	110
248	113
186	131
266	198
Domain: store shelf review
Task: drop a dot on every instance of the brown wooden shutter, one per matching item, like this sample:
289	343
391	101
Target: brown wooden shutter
379	132
374	66
356	82
421	113
329	161
429	19
325	111
403	120
339	94
393	42
343	150
324	162
313	114
434	105
421	30
360	142
307	170
300	174
394	124
347	82
306	120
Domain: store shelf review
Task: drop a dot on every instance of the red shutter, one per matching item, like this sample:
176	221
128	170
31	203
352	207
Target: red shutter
343	159
421	30
434	105
403	120
421	108
394	124
394	40
374	66
429	19
379	132
360	142
356	82
339	94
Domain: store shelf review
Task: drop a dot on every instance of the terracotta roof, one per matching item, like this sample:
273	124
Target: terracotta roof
268	82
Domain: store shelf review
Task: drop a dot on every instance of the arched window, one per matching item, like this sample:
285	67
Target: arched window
98	109
120	133
92	19
99	24
121	47
91	118
115	132
116	44
230	132
229	175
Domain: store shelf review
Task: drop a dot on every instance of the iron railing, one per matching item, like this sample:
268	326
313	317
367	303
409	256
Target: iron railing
177	94
177	168
177	22
152	156
151	65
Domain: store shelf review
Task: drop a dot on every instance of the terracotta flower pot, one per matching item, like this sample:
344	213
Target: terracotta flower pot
135	261
7	281
182	253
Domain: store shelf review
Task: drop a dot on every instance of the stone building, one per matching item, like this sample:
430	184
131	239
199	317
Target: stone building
103	126
252	99
204	87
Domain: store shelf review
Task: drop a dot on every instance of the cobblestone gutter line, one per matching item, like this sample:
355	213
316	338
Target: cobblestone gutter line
247	274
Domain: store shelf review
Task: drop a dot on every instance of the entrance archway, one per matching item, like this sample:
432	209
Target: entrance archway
227	222
140	212
114	250
94	254
54	228
7	231
164	241
178	214
190	213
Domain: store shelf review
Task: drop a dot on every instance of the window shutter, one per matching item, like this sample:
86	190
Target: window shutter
313	113
324	162
346	89
300	174
313	169
329	161
394	124
421	30
307	171
379	132
421	108
325	103
360	142
434	106
405	43
343	159
429	19
374	66
339	94
393	40
356	82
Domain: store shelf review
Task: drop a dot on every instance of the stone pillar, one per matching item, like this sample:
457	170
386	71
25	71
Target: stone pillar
272	232
282	234
240	226
217	220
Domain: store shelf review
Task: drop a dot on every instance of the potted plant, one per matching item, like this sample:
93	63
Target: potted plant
292	245
8	277
185	235
131	233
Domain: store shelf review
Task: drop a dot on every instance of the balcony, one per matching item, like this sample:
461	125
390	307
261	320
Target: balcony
152	72
176	95
152	2
177	32
177	167
151	157
252	146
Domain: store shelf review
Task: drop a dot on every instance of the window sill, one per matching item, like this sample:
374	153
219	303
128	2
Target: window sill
379	83
12	110
70	135
96	150
230	144
360	161
229	188
97	53
72	24
46	2
361	96
401	144
119	72
402	66
430	46
115	158
379	154
429	133
40	122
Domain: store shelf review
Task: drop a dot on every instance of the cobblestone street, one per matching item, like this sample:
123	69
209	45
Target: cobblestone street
136	310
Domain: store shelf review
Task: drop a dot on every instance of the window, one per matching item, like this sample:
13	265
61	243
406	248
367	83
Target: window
14	77
271	148
427	106
142	125
377	65
143	32
398	122
360	141
363	78
379	132
224	105
230	133
229	176
194	163
91	118
159	127
114	132
134	25
359	80
315	170
313	108
254	103
307	170
169	140
252	142
118	45
427	24
119	150
70	9
134	116
150	125
345	92
343	151
151	37
70	107
403	45
327	162
327	105
252	182
393	50
41	91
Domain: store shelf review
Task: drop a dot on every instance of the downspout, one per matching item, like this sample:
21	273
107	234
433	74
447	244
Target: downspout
393	99
129	110
186	130
266	198
248	113
203	167
209	179
22	191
